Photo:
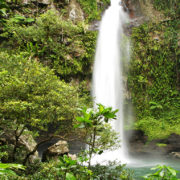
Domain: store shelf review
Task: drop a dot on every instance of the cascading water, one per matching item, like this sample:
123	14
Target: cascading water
112	53
108	72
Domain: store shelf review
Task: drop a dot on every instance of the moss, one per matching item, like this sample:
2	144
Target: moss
161	145
170	7
154	78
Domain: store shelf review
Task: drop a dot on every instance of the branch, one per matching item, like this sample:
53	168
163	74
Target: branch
16	141
22	130
93	145
65	138
35	149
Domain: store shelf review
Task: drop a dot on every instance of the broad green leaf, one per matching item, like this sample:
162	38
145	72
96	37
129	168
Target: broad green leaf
17	166
157	167
162	173
88	120
101	108
171	170
70	176
29	20
80	119
7	171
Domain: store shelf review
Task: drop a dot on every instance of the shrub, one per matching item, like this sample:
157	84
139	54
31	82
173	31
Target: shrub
64	168
98	133
154	77
63	46
93	9
32	98
112	171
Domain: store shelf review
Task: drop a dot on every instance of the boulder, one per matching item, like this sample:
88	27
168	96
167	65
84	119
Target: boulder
175	155
29	144
26	1
72	156
139	144
26	143
75	11
45	2
94	26
53	152
61	147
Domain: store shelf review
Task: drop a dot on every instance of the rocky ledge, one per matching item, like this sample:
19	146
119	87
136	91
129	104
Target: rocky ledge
139	144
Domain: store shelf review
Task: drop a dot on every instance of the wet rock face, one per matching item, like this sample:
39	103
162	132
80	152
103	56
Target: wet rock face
94	26
175	155
170	147
75	11
133	7
173	143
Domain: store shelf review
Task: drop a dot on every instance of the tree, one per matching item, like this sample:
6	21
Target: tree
98	133
32	98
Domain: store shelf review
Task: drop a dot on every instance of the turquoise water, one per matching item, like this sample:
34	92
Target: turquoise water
143	166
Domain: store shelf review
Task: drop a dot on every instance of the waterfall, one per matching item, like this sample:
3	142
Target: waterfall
108	86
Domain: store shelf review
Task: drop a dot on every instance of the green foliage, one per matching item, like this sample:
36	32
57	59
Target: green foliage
163	173
154	78
159	128
19	19
69	169
112	171
98	133
93	9
169	7
3	148
3	9
7	169
32	97
28	87
63	46
161	145
66	169
72	170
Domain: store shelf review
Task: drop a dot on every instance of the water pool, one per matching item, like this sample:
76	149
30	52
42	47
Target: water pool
142	167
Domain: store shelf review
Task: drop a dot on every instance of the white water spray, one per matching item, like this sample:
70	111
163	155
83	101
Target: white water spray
108	72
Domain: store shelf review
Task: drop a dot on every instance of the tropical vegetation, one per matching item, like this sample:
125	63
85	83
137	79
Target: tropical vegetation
46	61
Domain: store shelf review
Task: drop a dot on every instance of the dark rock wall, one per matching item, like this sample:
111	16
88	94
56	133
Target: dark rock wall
139	145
